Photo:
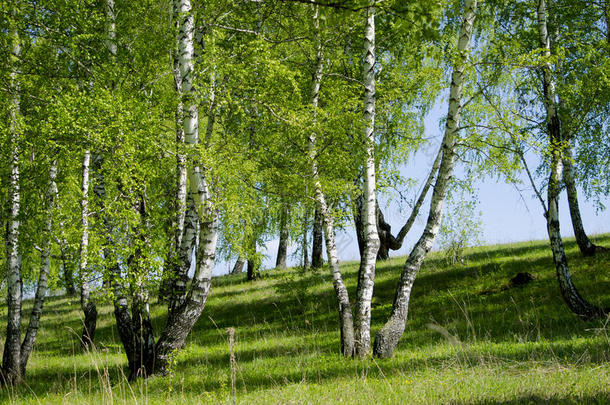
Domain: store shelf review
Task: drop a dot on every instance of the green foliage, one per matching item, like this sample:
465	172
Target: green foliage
461	227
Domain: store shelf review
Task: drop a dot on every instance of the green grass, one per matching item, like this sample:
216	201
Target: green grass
521	345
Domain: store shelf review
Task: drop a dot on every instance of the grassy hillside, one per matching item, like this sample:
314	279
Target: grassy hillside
520	345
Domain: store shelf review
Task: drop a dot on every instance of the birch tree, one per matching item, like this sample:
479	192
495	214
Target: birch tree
366	272
569	292
387	338
11	359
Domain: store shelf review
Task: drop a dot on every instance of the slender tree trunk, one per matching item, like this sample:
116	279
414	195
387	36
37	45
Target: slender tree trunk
366	272
11	358
571	296
239	266
43	275
345	311
173	267
389	335
282	250
305	243
87	305
587	248
317	259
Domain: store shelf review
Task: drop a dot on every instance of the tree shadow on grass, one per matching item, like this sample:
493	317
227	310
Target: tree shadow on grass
600	398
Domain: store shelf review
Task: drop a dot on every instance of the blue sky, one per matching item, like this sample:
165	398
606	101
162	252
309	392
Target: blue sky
509	213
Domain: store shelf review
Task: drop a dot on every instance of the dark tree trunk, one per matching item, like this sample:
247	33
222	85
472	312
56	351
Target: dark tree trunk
282	250
317	259
239	266
587	248
252	270
89	325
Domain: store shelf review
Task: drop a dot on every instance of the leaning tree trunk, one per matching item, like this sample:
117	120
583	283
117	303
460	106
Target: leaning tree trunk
389	335
11	358
570	294
43	275
345	311
587	248
282	249
239	266
317	259
366	272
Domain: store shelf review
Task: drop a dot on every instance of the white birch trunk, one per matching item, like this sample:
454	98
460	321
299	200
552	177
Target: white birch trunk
366	273
11	359
182	318
572	297
388	337
345	311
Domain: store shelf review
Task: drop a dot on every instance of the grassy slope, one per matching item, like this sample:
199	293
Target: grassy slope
519	345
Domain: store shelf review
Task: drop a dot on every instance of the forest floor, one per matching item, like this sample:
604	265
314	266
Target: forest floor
515	345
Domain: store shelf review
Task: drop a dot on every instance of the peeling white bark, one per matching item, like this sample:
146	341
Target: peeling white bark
366	273
11	359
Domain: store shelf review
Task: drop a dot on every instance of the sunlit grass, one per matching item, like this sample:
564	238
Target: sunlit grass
520	345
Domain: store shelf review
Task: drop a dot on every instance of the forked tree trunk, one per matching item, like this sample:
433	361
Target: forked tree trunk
181	320
183	315
366	272
389	335
345	311
43	275
282	249
317	259
11	358
571	296
387	241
